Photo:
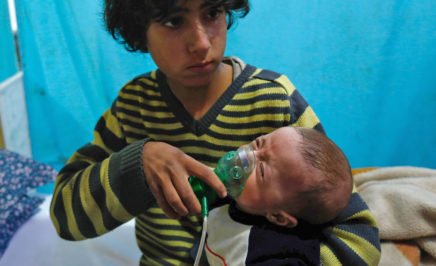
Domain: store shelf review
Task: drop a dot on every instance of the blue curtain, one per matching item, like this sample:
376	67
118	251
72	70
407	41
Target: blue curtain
8	61
367	68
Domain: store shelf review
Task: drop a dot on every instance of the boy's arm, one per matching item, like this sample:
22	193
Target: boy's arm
352	238
102	185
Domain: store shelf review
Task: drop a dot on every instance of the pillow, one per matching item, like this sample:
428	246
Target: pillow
19	177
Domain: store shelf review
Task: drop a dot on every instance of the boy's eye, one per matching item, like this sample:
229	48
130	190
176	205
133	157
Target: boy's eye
173	22
214	13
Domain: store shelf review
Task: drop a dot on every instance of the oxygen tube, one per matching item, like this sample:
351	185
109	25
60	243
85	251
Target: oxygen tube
233	169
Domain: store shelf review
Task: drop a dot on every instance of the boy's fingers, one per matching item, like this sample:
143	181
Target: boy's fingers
206	174
173	200
163	204
187	195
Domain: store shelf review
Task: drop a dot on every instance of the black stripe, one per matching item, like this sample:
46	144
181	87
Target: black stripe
130	123
268	75
84	223
160	226
364	231
251	125
163	251
344	253
144	230
141	93
147	118
61	216
110	139
320	128
136	136
355	205
298	105
72	168
98	193
152	256
144	106
94	152
266	85
256	111
260	97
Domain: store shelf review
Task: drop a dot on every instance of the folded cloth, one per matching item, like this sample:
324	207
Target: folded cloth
403	201
19	178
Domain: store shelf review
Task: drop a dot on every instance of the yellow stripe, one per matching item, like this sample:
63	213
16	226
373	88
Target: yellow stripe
89	204
130	118
79	157
164	232
163	221
54	198
71	221
264	91
361	246
354	188
245	131
307	119
152	260
112	124
257	71
165	244
154	103
112	202
140	88
254	82
98	141
328	258
143	131
259	104
258	117
153	74
366	216
286	84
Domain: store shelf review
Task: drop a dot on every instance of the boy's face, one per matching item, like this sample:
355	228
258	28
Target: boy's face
188	45
278	177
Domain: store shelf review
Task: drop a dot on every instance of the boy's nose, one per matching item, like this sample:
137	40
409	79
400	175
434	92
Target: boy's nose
199	40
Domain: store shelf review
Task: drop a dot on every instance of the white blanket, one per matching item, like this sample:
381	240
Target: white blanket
403	200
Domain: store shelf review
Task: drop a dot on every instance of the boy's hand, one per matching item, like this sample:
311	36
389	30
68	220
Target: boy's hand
167	169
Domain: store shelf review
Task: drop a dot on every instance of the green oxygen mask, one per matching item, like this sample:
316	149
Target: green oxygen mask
233	169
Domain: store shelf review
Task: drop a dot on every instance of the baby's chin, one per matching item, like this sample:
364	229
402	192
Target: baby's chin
246	206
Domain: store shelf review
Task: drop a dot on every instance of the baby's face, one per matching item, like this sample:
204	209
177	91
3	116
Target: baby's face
278	176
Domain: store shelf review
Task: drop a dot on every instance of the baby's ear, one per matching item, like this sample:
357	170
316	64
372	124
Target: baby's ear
282	218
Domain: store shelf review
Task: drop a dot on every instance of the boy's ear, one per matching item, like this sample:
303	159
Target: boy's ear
282	218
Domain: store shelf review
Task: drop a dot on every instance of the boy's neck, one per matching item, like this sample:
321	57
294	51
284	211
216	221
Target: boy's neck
198	101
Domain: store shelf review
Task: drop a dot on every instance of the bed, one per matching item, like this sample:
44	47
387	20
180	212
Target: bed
402	199
27	235
36	243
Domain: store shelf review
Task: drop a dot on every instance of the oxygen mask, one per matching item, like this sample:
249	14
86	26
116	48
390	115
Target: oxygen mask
234	168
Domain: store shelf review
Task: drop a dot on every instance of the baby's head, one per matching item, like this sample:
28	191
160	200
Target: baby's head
299	174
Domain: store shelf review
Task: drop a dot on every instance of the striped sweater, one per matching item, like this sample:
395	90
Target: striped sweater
103	186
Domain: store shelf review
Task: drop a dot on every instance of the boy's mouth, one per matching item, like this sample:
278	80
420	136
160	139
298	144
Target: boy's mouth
202	67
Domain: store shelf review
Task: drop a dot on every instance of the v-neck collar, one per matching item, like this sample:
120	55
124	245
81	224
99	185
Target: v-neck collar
199	127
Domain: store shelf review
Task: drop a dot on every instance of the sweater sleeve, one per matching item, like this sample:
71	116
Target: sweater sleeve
352	238
102	185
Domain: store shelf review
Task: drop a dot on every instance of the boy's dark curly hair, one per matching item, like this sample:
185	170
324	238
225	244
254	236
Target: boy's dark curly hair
128	20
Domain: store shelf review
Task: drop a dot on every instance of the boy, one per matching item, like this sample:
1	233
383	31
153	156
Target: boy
173	123
300	175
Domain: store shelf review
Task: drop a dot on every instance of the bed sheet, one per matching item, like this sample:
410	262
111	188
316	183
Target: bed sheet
36	243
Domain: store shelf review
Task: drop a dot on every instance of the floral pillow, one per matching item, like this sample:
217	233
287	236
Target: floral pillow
19	177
